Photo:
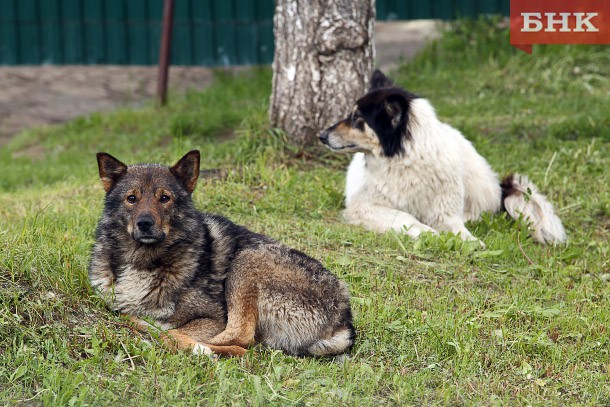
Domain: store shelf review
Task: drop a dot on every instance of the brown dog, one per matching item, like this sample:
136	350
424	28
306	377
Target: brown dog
214	285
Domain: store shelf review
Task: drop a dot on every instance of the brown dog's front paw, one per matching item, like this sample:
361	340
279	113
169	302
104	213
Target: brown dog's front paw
201	349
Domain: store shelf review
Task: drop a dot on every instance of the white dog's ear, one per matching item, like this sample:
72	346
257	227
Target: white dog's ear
379	80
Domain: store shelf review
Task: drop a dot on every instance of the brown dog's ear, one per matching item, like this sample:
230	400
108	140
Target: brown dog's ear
187	170
110	169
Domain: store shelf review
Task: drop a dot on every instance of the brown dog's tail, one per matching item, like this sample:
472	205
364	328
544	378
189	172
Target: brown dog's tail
520	198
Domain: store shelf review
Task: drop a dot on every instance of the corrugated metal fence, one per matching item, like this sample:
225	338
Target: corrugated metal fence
439	9
206	32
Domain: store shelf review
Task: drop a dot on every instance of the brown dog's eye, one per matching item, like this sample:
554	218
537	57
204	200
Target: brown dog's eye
132	199
164	199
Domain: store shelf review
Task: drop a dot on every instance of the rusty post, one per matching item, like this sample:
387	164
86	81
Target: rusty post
165	52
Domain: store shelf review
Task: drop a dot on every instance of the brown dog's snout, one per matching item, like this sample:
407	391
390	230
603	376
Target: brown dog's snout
147	230
145	222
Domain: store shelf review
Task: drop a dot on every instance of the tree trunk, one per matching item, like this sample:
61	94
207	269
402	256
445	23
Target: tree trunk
324	52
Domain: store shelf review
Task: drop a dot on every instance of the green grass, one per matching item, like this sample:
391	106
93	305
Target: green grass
439	321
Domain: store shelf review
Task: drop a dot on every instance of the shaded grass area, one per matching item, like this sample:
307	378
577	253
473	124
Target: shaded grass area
439	321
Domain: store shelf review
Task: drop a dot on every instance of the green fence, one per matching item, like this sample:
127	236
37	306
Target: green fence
206	32
439	9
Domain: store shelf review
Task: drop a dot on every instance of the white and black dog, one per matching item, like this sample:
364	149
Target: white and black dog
413	173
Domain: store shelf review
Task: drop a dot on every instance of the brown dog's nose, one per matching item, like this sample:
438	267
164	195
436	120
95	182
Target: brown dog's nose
145	222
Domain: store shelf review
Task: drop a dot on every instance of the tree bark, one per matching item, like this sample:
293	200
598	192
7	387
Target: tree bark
324	53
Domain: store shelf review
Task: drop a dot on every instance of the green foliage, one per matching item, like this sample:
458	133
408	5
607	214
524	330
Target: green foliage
481	83
440	321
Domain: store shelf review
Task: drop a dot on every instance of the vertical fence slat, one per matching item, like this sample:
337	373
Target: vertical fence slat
27	25
181	52
72	31
466	8
225	32
153	28
392	10
203	33
137	51
382	9
8	33
94	40
504	7
487	7
51	47
443	9
116	32
246	35
402	9
265	31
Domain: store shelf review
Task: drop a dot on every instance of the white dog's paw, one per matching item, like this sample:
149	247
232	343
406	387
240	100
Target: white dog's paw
201	349
415	230
468	237
480	242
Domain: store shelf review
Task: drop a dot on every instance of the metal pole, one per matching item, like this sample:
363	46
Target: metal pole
165	52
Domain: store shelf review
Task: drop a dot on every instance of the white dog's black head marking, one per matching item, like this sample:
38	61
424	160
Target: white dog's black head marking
377	123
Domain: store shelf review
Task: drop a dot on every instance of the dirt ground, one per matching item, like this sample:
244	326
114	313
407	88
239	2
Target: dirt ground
39	95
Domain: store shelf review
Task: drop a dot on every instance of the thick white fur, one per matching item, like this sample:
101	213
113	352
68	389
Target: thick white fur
436	185
533	206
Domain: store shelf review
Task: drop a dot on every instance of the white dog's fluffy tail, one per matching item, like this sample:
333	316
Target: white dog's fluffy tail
520	197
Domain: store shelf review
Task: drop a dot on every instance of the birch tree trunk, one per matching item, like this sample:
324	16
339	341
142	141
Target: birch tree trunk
324	53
